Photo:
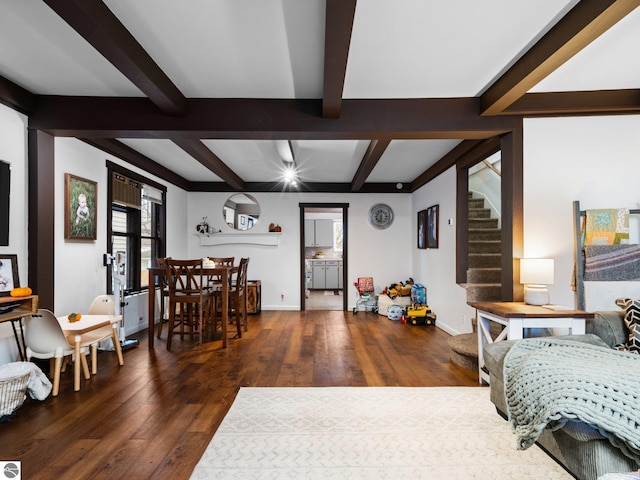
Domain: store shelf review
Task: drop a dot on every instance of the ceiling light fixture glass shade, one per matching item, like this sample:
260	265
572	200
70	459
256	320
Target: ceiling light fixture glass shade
291	175
536	274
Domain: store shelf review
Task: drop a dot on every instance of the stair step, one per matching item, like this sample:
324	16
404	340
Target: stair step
485	246
476	203
484	234
479	213
464	350
485	260
483	223
484	292
484	275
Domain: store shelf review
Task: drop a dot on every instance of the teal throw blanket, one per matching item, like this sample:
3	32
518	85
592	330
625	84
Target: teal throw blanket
549	382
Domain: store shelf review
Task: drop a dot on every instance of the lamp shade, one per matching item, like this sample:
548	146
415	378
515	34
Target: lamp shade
536	271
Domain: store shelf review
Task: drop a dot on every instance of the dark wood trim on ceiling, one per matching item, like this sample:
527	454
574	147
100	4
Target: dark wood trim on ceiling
337	38
210	160
480	151
16	97
600	102
93	20
580	26
308	187
445	163
371	157
443	118
133	157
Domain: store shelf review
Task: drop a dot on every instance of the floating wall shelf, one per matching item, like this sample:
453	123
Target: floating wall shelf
268	239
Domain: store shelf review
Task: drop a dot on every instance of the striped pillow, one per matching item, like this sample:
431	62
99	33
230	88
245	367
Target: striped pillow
632	320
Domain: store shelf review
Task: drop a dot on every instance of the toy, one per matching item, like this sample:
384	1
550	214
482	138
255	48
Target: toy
395	312
398	289
420	315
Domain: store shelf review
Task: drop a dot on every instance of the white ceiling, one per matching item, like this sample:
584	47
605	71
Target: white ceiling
274	49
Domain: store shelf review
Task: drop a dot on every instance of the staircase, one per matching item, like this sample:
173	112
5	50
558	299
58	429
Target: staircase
484	281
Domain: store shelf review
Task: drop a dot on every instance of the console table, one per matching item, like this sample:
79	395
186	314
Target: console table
13	309
516	316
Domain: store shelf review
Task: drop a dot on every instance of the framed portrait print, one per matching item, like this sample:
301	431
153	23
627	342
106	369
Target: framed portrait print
432	226
422	229
80	208
8	274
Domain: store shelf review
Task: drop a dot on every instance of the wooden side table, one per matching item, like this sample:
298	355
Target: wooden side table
516	316
13	309
254	294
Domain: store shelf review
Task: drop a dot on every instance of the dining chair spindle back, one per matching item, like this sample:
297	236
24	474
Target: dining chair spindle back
189	298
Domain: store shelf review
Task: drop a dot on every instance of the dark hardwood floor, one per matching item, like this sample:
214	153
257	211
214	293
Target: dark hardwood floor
154	416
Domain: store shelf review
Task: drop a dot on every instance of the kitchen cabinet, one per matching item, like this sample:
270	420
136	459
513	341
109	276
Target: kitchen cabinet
333	275
318	233
327	275
319	276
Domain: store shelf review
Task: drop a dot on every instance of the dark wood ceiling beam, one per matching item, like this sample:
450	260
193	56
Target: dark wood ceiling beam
308	187
16	97
584	23
444	164
131	156
596	102
93	20
481	151
337	39
206	157
371	157
442	118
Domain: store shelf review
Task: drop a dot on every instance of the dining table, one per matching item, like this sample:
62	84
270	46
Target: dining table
222	272
85	326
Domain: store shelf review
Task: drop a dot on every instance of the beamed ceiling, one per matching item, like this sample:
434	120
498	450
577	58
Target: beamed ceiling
368	94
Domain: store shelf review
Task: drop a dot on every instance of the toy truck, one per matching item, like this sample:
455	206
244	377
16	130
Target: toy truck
420	315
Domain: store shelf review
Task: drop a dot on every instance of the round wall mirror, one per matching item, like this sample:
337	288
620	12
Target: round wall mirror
241	211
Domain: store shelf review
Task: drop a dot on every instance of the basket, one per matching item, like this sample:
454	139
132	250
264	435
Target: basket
13	392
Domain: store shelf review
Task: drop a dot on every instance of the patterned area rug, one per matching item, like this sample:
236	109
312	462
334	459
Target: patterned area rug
369	433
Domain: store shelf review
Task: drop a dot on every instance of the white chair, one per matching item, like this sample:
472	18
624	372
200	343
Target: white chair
101	305
44	339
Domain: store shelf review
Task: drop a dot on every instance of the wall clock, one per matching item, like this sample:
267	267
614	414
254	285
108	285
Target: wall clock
380	216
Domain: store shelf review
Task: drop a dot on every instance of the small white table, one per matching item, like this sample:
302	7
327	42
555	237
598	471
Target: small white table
85	326
516	316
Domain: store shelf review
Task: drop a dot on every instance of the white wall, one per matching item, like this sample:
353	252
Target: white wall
595	160
436	267
13	149
81	259
384	255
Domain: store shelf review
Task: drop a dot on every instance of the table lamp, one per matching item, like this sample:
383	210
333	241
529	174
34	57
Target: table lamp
536	274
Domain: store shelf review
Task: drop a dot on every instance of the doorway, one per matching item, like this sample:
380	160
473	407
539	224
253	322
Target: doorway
323	256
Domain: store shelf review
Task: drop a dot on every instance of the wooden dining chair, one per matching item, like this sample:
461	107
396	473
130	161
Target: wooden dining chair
238	296
214	280
161	262
189	298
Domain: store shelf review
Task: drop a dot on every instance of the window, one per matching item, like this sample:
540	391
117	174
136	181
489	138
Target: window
337	236
137	230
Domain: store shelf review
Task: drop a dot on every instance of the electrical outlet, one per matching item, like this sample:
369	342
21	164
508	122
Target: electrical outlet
282	296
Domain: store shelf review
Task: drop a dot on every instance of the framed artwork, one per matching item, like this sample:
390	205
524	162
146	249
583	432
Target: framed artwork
432	226
80	208
422	229
8	274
